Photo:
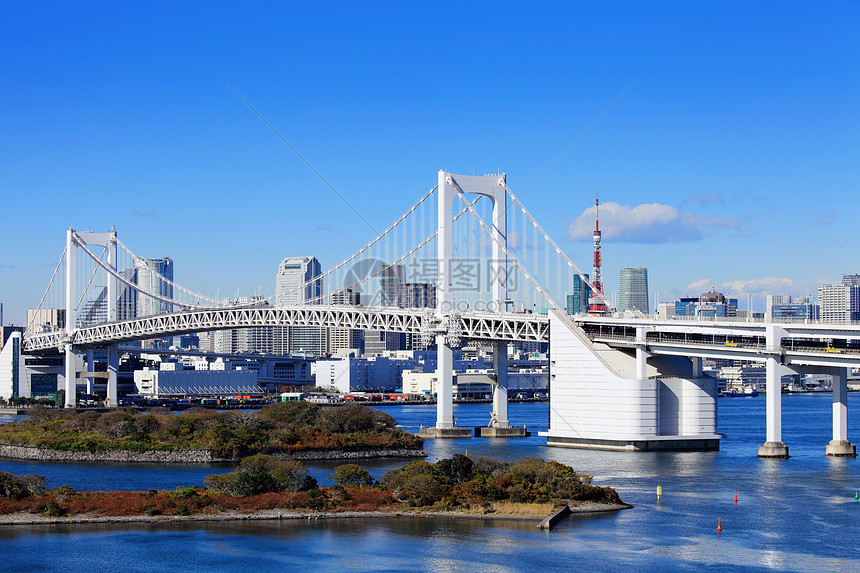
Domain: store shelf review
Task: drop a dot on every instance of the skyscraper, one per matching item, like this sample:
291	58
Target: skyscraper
840	302
344	338
257	339
295	282
149	279
577	301
299	282
634	289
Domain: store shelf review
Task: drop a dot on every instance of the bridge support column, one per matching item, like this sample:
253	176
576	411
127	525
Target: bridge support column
444	384
641	354
112	367
90	368
773	446
839	445
500	389
71	318
71	381
697	367
444	395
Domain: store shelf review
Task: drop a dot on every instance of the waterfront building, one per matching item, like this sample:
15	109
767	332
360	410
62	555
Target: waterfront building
299	281
634	289
345	338
30	376
840	302
707	305
784	308
577	301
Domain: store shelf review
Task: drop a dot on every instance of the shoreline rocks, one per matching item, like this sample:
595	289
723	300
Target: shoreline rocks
200	456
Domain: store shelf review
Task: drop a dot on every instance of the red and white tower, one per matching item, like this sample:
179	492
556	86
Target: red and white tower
596	304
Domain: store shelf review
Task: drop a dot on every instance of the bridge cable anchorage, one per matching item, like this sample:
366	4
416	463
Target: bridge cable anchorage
516	263
47	290
364	248
546	237
165	279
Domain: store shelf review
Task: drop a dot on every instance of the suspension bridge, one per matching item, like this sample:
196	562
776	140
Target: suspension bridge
630	383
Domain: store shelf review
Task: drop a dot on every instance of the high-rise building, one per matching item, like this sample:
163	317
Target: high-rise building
840	302
417	295
393	276
634	289
577	301
45	319
257	339
299	282
782	307
149	279
345	338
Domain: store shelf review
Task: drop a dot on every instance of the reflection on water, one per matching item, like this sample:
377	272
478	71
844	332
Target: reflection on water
797	514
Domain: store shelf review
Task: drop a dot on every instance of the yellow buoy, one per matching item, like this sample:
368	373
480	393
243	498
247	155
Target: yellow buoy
659	492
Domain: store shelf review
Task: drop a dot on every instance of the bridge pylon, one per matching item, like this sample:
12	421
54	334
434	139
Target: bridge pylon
451	187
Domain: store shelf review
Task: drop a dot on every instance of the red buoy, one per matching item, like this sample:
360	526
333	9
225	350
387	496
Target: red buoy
736	496
719	524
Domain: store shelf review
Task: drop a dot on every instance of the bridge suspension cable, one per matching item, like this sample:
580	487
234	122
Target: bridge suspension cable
359	252
47	290
128	283
549	240
504	248
89	282
165	279
386	267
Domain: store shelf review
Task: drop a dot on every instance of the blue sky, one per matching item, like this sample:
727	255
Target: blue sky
730	162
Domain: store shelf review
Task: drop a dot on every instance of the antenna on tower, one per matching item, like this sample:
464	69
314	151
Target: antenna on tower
596	303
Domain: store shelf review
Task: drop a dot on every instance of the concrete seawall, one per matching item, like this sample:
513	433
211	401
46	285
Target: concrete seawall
193	456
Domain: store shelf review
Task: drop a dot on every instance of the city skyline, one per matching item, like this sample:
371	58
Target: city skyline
728	162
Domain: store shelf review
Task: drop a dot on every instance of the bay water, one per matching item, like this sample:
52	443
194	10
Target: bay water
798	514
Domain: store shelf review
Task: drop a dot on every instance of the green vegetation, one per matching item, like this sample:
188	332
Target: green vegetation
262	474
472	485
462	480
285	427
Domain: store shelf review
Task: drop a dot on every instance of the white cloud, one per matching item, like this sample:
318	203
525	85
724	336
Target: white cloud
769	285
647	223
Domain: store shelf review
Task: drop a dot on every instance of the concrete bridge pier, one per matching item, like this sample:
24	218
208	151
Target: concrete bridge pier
112	367
840	446
91	367
773	446
500	426
641	354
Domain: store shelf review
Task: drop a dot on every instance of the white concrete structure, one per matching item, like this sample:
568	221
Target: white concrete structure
605	398
374	374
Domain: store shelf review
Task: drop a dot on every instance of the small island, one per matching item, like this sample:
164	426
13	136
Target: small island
264	487
288	430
